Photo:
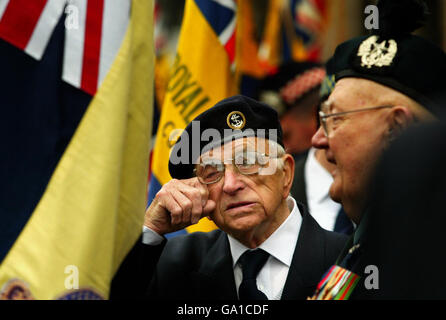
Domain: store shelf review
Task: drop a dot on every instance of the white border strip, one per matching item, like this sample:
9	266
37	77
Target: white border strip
227	3
114	26
74	45
3	5
226	34
44	29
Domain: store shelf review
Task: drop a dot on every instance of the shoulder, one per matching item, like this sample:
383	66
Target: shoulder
334	238
182	259
334	242
198	240
333	247
331	243
192	247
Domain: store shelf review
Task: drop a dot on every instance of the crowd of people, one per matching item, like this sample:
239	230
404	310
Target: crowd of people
327	185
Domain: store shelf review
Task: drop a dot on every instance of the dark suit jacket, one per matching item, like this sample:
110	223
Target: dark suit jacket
198	266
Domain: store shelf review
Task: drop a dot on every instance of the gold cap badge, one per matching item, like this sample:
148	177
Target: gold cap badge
236	120
377	54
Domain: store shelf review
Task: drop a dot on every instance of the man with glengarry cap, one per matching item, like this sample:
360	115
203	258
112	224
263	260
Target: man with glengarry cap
385	82
267	246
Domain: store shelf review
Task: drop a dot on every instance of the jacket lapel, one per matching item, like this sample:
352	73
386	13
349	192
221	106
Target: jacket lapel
307	264
215	278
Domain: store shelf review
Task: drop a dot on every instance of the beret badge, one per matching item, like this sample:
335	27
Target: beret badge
375	54
236	120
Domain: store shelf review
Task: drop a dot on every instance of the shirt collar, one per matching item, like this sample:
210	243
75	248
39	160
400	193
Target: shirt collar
281	243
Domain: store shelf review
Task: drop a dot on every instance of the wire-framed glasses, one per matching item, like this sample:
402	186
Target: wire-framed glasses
211	170
329	120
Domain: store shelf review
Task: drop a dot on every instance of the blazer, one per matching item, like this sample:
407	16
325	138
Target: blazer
199	266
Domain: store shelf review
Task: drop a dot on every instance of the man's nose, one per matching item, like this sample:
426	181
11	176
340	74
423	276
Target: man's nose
320	140
232	182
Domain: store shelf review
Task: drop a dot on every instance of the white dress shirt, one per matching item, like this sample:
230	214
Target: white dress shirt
280	245
317	183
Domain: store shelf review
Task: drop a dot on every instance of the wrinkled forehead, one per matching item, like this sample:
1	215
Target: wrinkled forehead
241	145
352	93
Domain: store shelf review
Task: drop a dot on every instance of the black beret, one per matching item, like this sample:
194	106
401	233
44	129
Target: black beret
231	118
407	63
394	57
285	73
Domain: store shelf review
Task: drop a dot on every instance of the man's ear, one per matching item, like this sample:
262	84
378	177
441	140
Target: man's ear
401	118
288	171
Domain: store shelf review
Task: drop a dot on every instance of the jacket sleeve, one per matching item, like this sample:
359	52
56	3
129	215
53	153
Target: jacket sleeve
133	277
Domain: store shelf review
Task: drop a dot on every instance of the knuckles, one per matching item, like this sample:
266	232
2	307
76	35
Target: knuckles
161	194
176	211
187	205
186	209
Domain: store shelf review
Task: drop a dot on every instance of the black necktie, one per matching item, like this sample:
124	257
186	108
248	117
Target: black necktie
252	262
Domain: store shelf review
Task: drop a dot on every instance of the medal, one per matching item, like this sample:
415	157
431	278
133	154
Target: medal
337	284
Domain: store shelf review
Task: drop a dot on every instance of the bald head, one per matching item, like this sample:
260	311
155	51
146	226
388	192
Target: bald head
368	93
356	139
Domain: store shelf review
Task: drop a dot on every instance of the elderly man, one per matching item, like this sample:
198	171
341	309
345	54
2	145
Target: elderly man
295	91
384	83
267	247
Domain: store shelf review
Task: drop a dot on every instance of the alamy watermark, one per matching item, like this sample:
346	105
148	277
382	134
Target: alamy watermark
371	281
193	146
72	280
72	18
372	20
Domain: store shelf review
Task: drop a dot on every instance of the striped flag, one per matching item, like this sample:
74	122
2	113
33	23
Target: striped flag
93	36
76	90
221	15
29	24
304	23
202	75
259	56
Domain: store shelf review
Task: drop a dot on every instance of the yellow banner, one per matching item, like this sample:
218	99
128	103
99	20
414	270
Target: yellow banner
92	210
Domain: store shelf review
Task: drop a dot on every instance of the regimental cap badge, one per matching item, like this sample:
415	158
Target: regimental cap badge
375	54
236	120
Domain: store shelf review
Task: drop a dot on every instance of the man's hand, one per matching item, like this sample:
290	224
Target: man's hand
179	204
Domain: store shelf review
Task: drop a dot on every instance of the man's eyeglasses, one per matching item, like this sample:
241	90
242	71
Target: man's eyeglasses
247	163
329	120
